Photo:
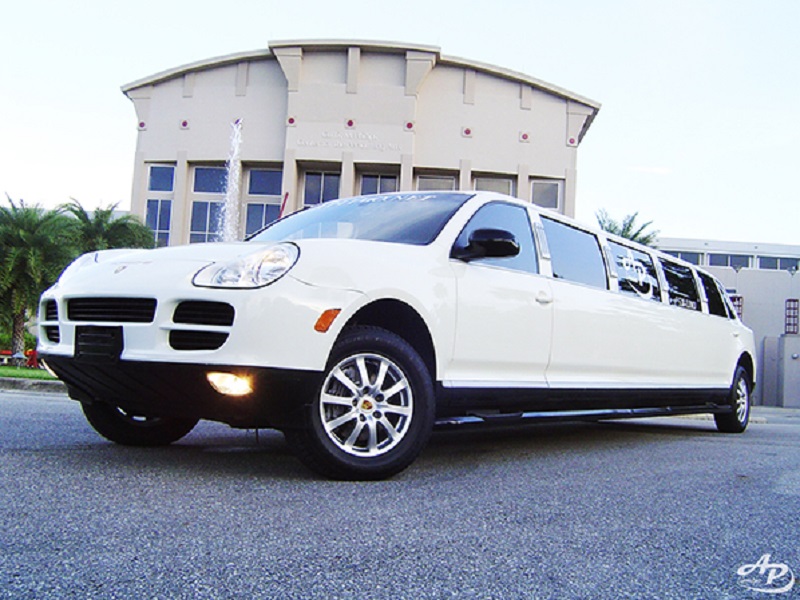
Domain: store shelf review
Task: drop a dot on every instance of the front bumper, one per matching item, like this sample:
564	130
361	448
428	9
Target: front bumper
182	390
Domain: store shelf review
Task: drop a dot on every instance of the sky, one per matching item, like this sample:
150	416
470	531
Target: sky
697	130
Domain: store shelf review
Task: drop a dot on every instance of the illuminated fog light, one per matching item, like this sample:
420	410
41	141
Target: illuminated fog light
230	384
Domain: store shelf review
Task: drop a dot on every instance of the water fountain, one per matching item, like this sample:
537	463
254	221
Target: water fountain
229	216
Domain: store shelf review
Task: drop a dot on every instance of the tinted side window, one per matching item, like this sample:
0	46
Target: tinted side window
681	286
636	272
716	305
498	215
575	254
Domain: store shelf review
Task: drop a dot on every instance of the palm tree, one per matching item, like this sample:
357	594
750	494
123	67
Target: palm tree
35	246
102	230
628	228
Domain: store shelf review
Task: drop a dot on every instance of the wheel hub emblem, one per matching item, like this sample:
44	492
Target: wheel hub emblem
367	404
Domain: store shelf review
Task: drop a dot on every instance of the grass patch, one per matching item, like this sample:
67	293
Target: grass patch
25	373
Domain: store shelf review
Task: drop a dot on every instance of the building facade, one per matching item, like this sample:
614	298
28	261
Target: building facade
325	119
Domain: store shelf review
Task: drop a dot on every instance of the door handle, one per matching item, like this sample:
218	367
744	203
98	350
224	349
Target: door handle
543	299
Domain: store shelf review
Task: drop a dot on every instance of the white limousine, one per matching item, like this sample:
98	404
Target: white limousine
357	325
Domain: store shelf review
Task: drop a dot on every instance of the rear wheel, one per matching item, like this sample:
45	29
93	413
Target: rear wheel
374	411
736	421
133	429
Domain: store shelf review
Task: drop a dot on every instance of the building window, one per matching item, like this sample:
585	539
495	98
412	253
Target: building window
260	215
210	180
439	183
162	178
378	184
546	193
501	185
690	257
157	218
160	188
736	261
264	198
206	222
320	187
265	182
775	263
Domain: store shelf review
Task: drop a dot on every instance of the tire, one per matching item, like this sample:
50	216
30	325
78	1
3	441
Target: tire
373	412
130	429
736	421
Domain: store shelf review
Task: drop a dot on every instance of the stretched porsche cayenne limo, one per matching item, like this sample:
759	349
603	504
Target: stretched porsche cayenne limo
357	325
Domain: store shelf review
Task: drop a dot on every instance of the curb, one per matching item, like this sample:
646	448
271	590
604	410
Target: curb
32	385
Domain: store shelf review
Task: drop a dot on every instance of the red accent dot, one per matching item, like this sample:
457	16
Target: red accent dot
409	125
291	120
184	123
525	136
350	122
468	131
571	140
142	124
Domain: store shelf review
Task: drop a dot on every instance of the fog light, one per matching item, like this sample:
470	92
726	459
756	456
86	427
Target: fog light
230	384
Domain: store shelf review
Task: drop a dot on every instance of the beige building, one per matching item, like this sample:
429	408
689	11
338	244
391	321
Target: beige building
327	119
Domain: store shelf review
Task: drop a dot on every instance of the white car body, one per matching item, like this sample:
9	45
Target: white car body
498	342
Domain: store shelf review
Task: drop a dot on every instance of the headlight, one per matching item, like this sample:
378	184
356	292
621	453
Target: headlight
251	270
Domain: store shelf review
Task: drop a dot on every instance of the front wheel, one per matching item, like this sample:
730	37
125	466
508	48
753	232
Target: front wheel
132	429
373	412
737	419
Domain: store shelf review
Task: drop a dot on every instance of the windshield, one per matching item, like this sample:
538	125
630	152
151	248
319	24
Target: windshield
412	218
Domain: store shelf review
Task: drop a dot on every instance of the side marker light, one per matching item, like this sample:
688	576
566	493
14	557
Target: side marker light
326	319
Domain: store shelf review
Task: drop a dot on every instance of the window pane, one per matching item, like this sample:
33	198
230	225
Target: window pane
636	272
498	215
313	188
436	183
210	180
255	218
265	182
494	184
199	216
162	239
718	260
690	257
768	262
716	305
151	218
271	213
330	187
787	264
545	194
164	213
161	179
215	220
681	286
369	184
388	184
739	260
575	254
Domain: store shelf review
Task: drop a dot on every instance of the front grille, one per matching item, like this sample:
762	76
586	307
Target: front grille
112	310
196	340
50	310
198	312
53	334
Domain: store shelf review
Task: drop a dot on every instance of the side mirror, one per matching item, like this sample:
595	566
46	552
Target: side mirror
487	243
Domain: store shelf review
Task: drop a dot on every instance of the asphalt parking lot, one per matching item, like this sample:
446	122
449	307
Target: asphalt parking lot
637	509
